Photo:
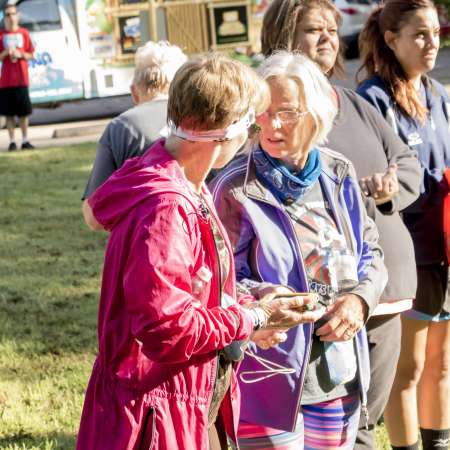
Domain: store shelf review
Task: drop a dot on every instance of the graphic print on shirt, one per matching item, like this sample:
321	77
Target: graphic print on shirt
323	247
13	41
414	139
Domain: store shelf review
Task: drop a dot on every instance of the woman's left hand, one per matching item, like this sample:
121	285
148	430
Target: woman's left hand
266	338
346	318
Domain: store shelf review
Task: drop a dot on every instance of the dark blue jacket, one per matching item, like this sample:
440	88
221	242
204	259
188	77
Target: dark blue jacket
431	141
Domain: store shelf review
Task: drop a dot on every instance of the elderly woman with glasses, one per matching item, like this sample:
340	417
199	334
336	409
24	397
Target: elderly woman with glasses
295	216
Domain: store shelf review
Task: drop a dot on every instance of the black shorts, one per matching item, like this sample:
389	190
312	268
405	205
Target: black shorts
15	101
433	290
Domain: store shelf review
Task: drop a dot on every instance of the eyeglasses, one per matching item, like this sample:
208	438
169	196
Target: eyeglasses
11	14
286	117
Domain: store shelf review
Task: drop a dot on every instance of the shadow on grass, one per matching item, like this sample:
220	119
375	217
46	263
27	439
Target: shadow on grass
50	267
28	441
50	263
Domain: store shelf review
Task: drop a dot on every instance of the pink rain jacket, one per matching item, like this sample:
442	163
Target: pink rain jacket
152	381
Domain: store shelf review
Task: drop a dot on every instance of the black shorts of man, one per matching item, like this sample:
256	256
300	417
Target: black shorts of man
16	48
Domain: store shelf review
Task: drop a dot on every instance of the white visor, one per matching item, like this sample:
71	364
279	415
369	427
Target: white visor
226	134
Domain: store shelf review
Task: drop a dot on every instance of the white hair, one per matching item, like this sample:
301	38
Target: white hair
156	64
319	96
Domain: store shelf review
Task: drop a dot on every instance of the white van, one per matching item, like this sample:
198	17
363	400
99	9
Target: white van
56	72
74	51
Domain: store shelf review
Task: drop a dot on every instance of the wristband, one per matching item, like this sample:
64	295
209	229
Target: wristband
259	318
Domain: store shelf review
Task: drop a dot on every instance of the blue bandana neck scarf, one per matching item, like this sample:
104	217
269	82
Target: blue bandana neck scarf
286	186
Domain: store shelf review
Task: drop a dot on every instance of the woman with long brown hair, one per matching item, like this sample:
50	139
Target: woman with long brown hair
399	46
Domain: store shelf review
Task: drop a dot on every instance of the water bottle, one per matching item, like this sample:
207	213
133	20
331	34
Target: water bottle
341	356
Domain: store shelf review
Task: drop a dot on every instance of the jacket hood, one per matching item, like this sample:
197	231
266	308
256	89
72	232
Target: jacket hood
138	179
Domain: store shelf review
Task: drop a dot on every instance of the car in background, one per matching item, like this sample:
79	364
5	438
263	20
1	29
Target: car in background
354	15
444	20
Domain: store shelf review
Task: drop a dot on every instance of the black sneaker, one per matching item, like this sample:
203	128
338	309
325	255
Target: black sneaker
27	146
12	146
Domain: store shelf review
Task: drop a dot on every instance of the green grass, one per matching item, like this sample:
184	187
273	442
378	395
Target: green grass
50	266
49	276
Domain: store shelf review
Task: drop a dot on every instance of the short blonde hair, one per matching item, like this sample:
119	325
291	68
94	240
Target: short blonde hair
212	91
155	66
318	95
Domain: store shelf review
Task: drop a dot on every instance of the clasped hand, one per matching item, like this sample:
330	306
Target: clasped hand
283	313
14	53
382	187
345	318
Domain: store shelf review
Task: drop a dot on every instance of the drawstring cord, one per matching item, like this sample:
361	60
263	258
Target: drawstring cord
272	369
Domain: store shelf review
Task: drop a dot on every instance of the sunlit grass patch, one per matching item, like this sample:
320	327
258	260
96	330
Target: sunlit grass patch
49	278
50	266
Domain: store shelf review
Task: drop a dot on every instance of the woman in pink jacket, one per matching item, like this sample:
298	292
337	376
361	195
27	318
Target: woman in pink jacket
169	318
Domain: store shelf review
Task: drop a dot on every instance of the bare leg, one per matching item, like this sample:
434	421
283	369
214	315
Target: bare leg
23	123
400	415
10	126
434	387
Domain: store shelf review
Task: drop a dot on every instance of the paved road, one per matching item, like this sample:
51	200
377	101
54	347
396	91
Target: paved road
95	109
95	114
81	110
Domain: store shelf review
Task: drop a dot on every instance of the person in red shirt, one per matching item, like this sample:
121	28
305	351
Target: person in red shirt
16	49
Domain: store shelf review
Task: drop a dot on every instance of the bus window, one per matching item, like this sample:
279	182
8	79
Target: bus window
39	15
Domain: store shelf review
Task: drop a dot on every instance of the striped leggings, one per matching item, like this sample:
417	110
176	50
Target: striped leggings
330	425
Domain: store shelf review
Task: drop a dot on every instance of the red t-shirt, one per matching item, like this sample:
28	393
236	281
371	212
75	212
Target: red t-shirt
15	73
